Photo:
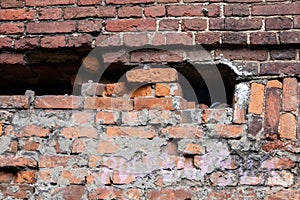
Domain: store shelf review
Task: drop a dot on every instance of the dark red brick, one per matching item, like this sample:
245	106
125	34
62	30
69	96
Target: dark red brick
239	39
194	24
11	28
278	23
130	25
85	12
168	25
289	37
208	38
242	24
263	38
50	13
26	43
130	11
240	10
276	9
51	27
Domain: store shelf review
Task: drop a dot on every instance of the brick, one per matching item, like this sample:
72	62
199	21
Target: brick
115	57
287	126
130	25
216	24
166	103
116	89
279	68
223	179
134	118
244	54
26	43
86	26
11	28
108	40
168	89
296	22
251	180
282	178
92	89
17	161
80	41
256	104
27	177
233	194
88	2
53	42
274	84
283	194
153	75
51	161
51	27
289	97
12	14
158	39
79	146
58	102
289	37
278	163
72	192
194	24
216	116
240	103
165	194
6	177
139	132
155	11
192	10
193	149
226	131
156	56
278	23
122	178
34	131
207	38
86	12
240	10
79	132
263	38
241	24
74	176
5	42
130	11
52	3
50	13
107	117
276	9
30	145
23	191
272	110
135	40
129	1
14	101
283	54
11	3
106	147
90	64
143	91
168	25
179	39
184	131
94	177
105	103
234	39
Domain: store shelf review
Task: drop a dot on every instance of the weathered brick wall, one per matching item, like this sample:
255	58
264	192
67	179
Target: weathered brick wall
122	140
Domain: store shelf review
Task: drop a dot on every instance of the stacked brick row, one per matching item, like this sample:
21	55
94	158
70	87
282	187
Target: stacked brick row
107	144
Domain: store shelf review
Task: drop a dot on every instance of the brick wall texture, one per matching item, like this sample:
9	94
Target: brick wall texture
118	141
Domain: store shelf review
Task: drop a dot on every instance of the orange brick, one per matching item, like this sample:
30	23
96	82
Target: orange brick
274	84
25	177
82	117
141	132
34	130
47	161
79	132
289	96
228	131
14	102
91	64
116	89
182	132
107	117
30	145
106	147
257	98
6	177
193	149
154	75
120	177
74	176
106	103
166	103
142	91
287	126
167	89
278	163
17	161
58	102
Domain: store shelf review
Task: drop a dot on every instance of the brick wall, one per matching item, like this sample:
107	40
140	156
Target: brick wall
136	135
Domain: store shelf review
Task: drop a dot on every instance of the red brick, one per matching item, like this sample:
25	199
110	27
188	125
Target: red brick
285	54
241	24
11	3
256	104
50	13
115	57
130	25
217	24
278	23
223	179
51	27
17	161
107	117
272	111
129	1
89	2
165	194
283	194
194	24
179	39
168	25
153	75
80	41
278	163
105	103
135	40
287	126
276	9
23	192
156	56
208	38
240	10
12	14
155	11
30	145
26	43
85	12
79	132
5	42
108	40
289	97
244	54
89	26
281	178
279	68
192	10
166	103
11	28
168	1
139	132
234	39
116	89
158	39
184	131
34	131
74	176
51	3
58	102
227	131
6	177
72	192
25	177
106	147
130	11
92	89
263	38
214	115
53	42
47	161
14	101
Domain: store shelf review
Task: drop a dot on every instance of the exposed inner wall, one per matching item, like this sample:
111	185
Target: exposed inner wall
136	131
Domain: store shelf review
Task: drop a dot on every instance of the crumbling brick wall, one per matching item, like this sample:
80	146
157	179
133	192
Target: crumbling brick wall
135	135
